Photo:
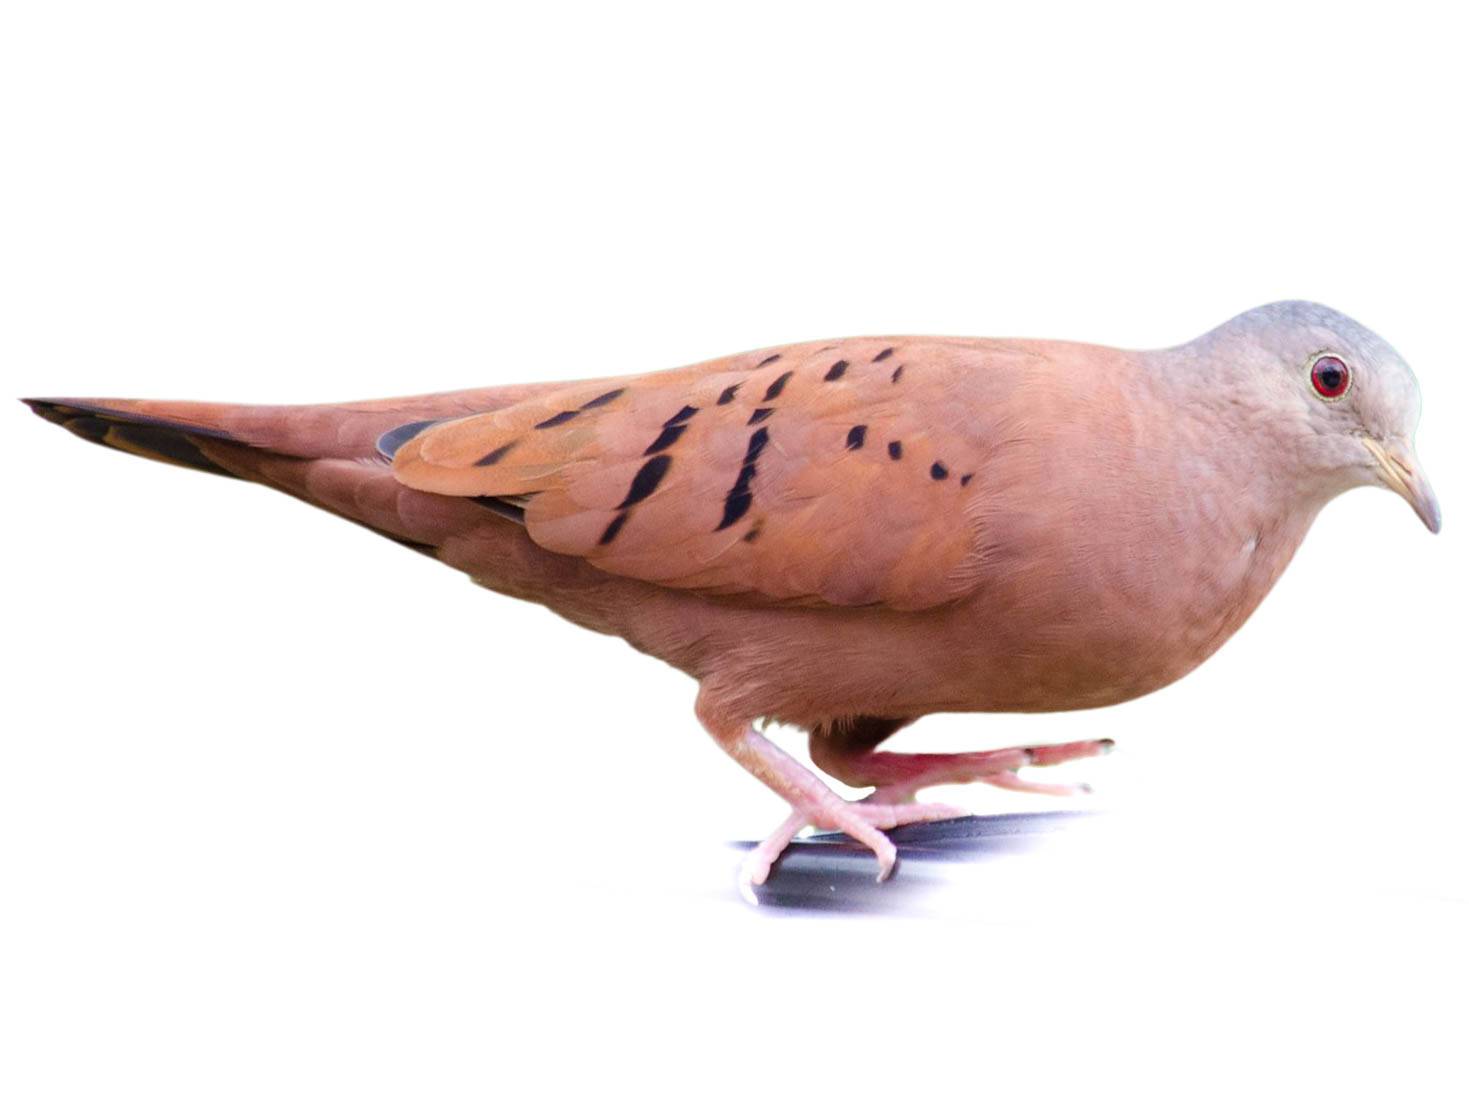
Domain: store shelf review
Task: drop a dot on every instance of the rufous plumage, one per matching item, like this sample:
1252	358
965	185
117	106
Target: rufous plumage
847	535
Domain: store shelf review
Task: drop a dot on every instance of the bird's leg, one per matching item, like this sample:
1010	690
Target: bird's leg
895	778
813	803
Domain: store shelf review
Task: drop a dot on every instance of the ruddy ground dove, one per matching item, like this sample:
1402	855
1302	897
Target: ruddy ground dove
846	535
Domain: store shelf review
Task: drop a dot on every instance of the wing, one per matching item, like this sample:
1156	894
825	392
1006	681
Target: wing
843	474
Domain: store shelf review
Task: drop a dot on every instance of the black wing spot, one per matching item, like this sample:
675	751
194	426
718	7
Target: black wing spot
737	502
759	415
389	442
773	392
758	440
501	508
835	372
895	450
603	399
964	479
560	419
495	456
666	439
767	361
938	472
897	373
681	416
610	532
727	395
884	354
646	480
736	505
856	437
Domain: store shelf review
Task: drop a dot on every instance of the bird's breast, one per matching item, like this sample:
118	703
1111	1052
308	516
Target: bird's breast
1114	583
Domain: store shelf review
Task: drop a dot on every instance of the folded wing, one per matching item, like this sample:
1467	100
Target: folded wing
840	474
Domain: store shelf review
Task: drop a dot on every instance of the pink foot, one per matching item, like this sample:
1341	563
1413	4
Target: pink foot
863	822
903	775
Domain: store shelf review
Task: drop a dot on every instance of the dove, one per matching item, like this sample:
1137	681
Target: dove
847	535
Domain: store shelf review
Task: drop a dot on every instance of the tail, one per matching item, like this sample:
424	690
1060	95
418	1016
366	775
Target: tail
172	432
327	455
115	426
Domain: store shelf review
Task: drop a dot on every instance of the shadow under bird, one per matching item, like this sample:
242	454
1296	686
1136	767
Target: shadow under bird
847	535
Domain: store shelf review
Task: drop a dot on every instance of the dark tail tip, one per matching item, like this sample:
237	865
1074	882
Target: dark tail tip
136	434
45	407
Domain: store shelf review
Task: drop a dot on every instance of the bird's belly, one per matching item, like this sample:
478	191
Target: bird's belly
1059	633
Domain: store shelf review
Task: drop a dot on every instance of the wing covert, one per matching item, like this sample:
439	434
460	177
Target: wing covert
845	474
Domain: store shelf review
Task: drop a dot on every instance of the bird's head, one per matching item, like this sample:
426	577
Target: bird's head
1348	403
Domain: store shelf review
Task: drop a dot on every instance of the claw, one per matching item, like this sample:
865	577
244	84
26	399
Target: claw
1015	783
861	821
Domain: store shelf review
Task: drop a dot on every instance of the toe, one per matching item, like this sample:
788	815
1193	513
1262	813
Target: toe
887	859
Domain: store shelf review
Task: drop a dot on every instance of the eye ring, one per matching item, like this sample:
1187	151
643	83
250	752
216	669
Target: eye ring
1330	377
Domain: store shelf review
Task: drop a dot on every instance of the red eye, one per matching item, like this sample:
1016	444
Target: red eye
1330	377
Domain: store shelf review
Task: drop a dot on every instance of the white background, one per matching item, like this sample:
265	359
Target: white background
288	812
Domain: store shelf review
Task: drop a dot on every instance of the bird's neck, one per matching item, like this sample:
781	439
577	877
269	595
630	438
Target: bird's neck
1248	490
1281	468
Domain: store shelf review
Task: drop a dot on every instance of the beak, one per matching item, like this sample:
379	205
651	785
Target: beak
1398	468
